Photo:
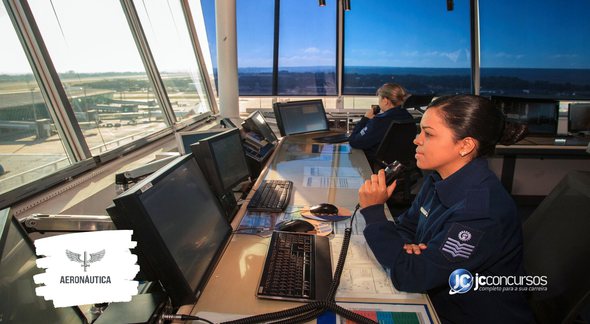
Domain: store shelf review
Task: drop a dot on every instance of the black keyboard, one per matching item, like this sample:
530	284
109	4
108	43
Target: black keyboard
268	114
271	196
289	267
338	138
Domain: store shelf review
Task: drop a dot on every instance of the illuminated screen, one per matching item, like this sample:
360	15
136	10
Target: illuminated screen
297	117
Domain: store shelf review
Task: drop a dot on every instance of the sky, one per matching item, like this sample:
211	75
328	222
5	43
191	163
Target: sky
93	35
415	33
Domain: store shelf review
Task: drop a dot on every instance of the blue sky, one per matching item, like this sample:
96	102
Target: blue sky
415	33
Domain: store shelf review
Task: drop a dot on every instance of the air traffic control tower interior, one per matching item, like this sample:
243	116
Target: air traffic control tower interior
100	98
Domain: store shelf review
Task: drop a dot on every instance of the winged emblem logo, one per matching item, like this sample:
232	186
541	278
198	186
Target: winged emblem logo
77	257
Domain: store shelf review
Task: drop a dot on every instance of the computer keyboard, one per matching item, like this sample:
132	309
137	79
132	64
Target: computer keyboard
268	114
338	138
271	196
290	267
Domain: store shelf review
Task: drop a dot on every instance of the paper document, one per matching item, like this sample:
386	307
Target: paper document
333	182
330	171
363	276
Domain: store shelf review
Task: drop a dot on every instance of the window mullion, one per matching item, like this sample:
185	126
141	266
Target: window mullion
209	86
50	86
475	48
148	60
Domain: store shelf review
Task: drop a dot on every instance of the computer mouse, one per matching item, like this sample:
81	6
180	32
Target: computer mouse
295	225
323	209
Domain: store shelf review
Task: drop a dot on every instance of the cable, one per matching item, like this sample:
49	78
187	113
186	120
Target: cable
182	317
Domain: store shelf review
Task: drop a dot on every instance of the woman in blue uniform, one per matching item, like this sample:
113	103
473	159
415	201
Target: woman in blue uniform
462	217
371	129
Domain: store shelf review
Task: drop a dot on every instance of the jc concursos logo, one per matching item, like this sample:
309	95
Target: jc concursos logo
460	281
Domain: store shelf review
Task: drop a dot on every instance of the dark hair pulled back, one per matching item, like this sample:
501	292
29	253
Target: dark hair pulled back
477	117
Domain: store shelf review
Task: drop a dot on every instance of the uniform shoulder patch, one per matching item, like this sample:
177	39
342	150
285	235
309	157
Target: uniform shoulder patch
460	242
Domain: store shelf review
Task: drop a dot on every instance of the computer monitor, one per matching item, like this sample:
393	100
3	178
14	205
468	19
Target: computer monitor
222	159
256	123
179	226
579	118
18	300
185	139
539	114
298	117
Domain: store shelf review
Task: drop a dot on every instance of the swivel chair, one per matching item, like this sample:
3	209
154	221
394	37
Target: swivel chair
557	245
398	144
418	101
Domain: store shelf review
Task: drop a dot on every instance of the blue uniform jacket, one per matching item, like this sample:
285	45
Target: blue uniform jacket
467	221
368	133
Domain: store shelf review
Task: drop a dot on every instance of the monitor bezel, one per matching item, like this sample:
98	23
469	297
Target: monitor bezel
165	266
569	118
554	102
208	163
277	106
180	135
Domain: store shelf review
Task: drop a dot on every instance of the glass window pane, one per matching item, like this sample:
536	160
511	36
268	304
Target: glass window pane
100	68
30	147
167	33
201	12
307	48
255	25
208	9
419	45
535	48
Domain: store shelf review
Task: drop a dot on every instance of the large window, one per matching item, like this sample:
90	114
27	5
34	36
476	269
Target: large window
307	48
208	12
167	32
419	45
535	48
99	66
30	147
255	26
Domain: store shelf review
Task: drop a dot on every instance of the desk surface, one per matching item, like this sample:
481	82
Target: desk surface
547	146
325	176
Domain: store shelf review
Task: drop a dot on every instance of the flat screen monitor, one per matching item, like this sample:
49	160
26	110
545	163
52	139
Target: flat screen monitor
222	159
298	117
539	114
18	300
256	122
185	139
179	226
579	118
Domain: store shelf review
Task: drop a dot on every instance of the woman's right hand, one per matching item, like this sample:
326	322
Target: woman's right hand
369	114
375	191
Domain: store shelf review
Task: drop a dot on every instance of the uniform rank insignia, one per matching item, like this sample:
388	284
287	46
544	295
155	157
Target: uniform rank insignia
460	242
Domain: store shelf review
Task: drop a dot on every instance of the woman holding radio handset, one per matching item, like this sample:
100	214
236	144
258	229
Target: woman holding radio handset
462	218
370	130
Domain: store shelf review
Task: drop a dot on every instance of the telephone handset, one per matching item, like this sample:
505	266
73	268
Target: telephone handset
393	171
376	109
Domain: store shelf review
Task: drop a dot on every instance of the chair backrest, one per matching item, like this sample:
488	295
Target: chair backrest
557	245
398	143
417	101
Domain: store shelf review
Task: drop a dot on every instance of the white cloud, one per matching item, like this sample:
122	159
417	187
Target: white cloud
508	55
